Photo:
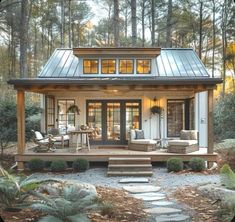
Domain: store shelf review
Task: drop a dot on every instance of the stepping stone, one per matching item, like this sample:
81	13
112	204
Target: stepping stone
141	188
134	180
149	198
162	203
162	210
173	218
151	194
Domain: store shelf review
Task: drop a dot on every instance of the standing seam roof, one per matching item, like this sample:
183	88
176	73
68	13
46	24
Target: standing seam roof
174	62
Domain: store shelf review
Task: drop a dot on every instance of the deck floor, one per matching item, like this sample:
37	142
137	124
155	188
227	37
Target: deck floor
103	154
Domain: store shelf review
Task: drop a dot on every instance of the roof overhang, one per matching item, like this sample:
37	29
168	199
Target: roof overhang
43	85
83	52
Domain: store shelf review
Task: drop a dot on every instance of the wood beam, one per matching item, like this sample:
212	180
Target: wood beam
210	131
20	125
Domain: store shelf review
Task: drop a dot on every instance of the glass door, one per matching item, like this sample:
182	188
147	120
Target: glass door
112	120
113	125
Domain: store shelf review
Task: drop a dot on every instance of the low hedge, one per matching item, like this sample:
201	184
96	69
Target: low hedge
80	165
197	164
36	165
58	165
174	164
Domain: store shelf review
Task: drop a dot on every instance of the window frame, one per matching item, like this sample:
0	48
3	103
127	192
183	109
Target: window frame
142	73
127	73
58	114
101	67
91	73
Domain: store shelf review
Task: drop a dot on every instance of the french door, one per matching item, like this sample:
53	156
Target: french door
112	120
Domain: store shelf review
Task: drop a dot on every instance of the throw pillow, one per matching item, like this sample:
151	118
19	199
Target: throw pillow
185	135
139	134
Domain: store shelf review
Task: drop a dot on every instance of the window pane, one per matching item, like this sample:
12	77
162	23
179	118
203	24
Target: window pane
175	117
143	66
90	66
126	66
94	119
108	66
66	118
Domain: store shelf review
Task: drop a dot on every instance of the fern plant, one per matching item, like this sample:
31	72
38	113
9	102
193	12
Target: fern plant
69	203
227	177
14	190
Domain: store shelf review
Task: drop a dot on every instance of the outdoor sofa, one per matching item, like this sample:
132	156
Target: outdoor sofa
138	142
187	143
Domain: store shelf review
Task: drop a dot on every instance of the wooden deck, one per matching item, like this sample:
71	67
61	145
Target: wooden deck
103	154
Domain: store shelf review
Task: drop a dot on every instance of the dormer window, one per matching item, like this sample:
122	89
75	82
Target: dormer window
108	66
143	66
126	66
90	66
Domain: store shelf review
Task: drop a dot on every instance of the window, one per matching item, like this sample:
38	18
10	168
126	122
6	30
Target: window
143	66
175	117
126	66
90	66
108	66
66	118
50	112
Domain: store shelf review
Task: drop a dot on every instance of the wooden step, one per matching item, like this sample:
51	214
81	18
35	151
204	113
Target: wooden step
130	173
131	166
126	160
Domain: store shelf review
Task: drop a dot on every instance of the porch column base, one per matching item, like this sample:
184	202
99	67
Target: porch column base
20	166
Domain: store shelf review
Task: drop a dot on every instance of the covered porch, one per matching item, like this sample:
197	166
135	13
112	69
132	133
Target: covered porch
170	89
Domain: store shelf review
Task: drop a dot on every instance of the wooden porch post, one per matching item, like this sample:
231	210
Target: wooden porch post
20	125
210	127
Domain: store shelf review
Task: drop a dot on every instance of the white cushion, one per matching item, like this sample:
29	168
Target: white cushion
132	135
71	128
59	138
182	142
38	135
144	141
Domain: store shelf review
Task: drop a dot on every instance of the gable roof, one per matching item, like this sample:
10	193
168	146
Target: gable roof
170	63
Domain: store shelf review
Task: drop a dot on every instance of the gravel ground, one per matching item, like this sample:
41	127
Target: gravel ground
168	181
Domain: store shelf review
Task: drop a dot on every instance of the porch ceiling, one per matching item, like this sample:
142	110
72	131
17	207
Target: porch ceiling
43	85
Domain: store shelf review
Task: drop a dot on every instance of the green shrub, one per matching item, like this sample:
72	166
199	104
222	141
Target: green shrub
58	165
174	164
80	165
197	164
227	177
36	165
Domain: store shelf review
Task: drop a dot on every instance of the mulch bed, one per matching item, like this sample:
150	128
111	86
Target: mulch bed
123	208
7	160
203	208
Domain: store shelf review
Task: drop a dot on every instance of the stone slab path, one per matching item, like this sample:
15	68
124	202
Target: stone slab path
134	180
157	205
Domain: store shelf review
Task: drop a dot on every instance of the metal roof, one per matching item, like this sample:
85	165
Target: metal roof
174	62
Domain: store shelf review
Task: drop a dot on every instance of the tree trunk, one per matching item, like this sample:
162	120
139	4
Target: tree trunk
116	23
214	38
169	25
62	32
224	43
153	22
133	23
24	38
70	25
200	30
143	22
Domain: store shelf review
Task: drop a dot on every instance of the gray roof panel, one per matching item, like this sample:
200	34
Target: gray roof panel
173	62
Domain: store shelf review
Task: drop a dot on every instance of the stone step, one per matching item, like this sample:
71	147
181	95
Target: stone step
162	203
173	218
130	173
163	210
141	189
134	180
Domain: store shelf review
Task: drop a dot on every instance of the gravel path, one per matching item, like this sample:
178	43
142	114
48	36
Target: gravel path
168	181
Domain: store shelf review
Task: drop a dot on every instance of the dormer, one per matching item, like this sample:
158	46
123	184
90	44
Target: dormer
117	61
